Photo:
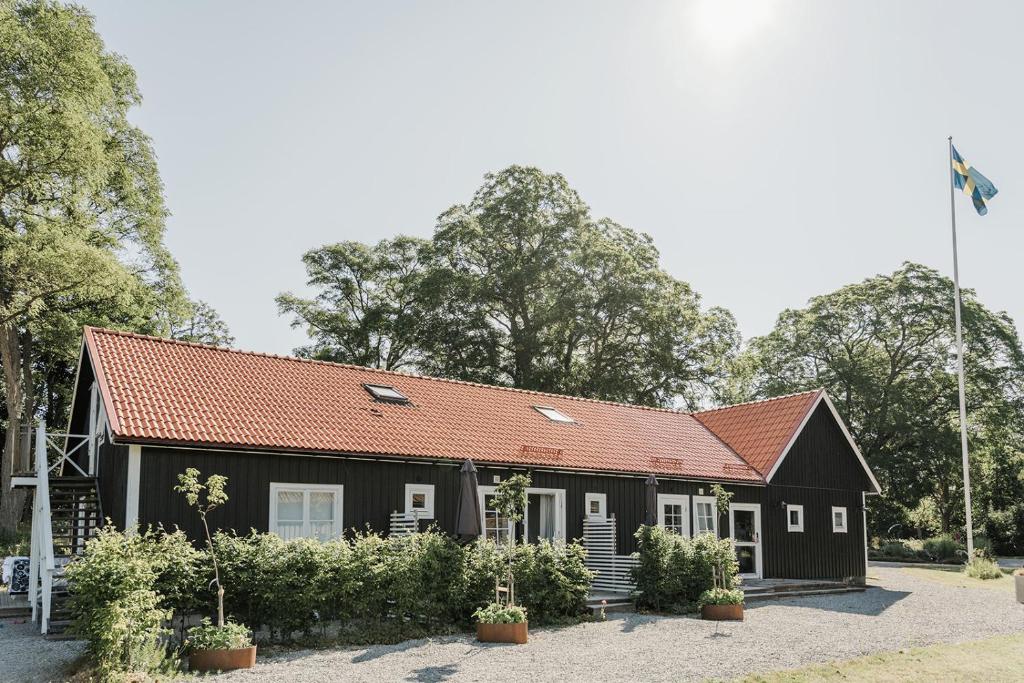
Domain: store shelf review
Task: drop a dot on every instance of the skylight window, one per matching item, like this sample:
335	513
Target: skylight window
552	414
384	392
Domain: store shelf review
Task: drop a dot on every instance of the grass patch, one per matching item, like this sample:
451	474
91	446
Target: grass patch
954	577
994	659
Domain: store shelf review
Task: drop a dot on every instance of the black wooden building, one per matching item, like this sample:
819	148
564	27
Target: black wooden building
318	449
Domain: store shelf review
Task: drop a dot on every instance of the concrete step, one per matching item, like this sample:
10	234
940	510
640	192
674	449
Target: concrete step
780	595
611	608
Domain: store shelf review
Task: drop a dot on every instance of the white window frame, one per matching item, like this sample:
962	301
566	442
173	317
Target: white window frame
559	494
602	500
790	526
428	491
713	502
339	505
553	414
674	499
840	528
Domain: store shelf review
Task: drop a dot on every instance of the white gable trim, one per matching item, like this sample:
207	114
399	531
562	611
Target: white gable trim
822	396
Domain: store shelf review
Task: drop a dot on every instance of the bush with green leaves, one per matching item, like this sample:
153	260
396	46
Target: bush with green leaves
721	596
209	636
673	571
942	548
114	606
387	588
499	613
982	567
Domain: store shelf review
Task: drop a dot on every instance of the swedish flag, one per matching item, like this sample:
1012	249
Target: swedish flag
976	186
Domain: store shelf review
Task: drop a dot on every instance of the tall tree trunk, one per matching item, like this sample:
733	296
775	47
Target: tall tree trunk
12	502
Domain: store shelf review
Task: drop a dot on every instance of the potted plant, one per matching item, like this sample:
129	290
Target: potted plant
1018	578
721	604
227	645
502	621
220	648
498	623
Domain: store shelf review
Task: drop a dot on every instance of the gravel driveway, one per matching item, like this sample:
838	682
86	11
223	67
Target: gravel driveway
28	657
900	610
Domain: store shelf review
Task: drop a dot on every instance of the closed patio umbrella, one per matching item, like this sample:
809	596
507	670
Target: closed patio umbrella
467	519
651	501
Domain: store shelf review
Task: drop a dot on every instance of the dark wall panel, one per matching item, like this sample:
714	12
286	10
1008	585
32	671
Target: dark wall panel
374	489
112	466
817	552
821	457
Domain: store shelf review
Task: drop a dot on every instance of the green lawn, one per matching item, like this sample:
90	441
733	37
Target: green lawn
994	659
954	577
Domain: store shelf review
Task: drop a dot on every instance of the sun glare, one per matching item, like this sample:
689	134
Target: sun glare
726	26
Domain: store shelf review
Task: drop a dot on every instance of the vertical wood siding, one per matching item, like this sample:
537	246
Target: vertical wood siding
112	472
374	489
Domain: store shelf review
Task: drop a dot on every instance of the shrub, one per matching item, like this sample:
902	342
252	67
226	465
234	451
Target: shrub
721	596
942	548
982	567
552	581
672	571
113	604
1006	529
498	613
207	636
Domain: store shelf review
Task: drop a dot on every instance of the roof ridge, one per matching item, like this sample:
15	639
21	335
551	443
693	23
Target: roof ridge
757	401
398	373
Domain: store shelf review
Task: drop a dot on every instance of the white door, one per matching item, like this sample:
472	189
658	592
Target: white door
745	531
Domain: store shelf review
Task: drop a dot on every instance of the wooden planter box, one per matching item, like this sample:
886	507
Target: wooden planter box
722	612
502	633
222	660
1019	582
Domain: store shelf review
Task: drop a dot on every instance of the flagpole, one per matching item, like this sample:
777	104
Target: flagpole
960	362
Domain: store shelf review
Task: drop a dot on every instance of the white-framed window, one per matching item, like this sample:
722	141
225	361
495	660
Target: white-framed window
549	504
794	517
838	520
674	513
553	414
419	498
705	515
306	510
596	505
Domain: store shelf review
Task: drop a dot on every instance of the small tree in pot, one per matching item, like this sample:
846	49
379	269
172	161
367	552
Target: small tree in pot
723	602
227	645
503	621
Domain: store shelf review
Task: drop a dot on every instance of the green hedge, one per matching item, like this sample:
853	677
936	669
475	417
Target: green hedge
673	571
374	589
393	587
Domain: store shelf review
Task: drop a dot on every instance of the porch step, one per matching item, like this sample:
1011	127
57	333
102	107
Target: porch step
613	603
761	596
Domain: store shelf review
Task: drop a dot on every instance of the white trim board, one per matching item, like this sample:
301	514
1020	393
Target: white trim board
822	396
131	499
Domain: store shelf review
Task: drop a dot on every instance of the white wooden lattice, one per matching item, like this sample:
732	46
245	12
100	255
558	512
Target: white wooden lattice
613	570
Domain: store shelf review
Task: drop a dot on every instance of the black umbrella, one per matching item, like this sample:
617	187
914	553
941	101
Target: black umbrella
651	501
467	519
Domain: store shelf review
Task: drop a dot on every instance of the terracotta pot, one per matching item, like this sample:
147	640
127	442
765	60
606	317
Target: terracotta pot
502	633
1019	582
722	612
222	660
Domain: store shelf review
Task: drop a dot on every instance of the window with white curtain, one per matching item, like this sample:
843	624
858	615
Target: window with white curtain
306	510
705	515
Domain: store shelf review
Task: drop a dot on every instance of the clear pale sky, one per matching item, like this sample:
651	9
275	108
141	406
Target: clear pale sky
774	150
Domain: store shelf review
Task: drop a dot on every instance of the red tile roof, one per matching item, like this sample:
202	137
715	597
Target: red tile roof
156	390
760	431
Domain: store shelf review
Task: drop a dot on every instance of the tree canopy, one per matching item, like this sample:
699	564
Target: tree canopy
885	351
521	286
81	212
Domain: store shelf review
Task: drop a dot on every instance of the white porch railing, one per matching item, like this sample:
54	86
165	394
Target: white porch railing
404	523
614	572
46	568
